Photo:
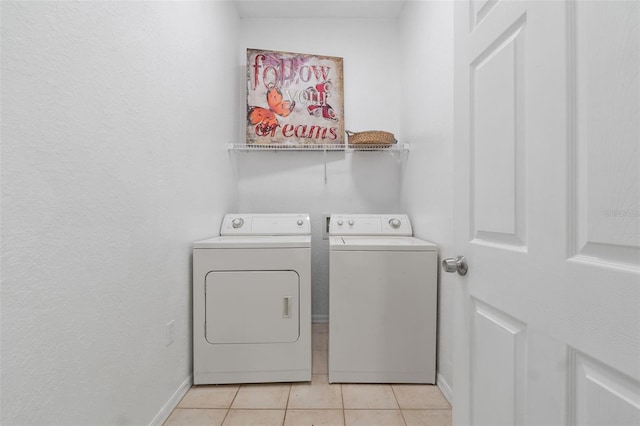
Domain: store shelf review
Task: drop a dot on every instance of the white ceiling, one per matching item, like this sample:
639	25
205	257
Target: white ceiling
320	8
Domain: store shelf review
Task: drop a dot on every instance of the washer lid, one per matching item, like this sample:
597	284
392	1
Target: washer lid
254	241
390	243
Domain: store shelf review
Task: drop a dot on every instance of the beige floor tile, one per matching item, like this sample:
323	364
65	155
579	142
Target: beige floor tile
319	362
427	417
320	327
373	418
374	397
320	379
314	418
320	340
254	418
420	397
196	417
317	394
209	397
267	396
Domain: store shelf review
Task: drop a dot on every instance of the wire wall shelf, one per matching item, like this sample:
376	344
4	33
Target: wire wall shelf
399	147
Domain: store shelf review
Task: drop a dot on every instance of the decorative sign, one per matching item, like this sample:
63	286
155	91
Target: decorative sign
294	99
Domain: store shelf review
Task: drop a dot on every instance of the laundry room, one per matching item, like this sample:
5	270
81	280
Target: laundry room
123	125
115	159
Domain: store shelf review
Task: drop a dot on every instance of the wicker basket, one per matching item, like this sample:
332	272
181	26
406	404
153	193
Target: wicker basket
371	137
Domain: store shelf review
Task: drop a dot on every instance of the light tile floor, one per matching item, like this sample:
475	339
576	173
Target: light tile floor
317	403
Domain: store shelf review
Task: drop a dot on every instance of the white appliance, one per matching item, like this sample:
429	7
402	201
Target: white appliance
382	301
252	301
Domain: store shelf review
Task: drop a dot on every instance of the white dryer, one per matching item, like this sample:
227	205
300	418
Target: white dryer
382	301
252	301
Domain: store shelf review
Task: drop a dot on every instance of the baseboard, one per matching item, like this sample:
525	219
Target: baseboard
320	319
445	389
172	403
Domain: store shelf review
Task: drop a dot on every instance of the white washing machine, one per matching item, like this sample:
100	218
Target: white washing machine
252	301
382	301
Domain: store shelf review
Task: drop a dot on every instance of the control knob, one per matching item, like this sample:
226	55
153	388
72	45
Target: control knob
351	222
237	222
395	223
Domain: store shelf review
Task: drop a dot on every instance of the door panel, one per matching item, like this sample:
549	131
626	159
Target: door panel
605	115
480	9
252	307
497	141
547	202
602	395
499	358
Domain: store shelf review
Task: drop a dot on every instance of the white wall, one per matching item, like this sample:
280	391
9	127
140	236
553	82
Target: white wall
427	122
362	182
114	122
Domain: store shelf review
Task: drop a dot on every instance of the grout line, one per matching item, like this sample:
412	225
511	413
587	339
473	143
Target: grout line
230	405
380	409
259	409
398	402
344	415
224	419
286	406
426	409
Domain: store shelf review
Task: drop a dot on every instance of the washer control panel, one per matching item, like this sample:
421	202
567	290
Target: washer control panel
368	224
266	224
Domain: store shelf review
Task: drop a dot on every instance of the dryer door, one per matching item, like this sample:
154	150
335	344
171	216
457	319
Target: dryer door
252	307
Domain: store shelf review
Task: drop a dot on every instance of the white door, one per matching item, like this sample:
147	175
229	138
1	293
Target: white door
547	158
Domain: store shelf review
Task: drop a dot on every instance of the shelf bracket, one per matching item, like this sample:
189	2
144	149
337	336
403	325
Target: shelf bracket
325	166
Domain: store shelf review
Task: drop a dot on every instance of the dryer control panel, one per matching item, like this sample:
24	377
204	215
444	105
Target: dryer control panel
266	224
370	224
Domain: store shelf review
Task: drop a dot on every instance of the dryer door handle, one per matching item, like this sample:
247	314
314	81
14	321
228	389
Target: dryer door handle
286	307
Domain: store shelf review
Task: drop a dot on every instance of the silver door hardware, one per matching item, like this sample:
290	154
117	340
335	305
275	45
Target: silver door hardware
459	265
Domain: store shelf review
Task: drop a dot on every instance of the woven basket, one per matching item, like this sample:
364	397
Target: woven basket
371	137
